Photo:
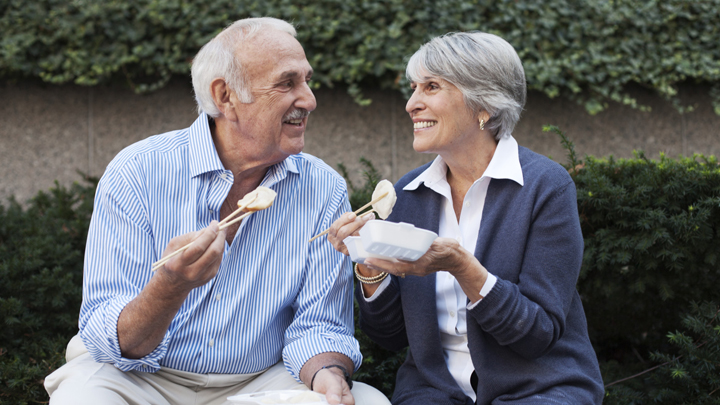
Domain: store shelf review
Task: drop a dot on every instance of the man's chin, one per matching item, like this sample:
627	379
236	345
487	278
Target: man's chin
294	146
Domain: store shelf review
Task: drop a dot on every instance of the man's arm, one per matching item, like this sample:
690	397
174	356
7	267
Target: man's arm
145	320
127	308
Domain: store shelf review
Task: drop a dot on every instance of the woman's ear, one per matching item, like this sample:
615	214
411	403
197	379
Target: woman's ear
484	115
224	98
483	118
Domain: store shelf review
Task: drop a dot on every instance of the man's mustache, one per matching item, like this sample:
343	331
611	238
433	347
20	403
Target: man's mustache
297	114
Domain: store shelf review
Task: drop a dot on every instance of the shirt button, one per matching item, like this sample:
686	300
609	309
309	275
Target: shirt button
467	203
211	343
452	314
217	297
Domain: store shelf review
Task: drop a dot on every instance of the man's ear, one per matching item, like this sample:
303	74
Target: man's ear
224	98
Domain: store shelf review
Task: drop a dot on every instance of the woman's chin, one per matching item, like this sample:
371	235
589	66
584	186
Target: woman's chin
421	147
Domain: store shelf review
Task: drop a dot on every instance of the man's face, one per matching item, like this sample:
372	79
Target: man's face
278	74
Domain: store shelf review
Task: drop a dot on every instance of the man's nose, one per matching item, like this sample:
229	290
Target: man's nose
306	98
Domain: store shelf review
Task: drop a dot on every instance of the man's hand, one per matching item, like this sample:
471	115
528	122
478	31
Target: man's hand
144	320
331	382
199	263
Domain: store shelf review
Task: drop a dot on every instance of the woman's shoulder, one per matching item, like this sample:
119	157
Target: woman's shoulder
411	175
538	168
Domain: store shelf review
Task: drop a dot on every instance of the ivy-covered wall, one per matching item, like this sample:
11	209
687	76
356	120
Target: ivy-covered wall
585	50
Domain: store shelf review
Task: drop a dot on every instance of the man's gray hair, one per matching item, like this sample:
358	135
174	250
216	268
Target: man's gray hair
484	67
217	59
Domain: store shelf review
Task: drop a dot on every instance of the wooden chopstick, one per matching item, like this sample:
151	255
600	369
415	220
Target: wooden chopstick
223	224
237	211
356	213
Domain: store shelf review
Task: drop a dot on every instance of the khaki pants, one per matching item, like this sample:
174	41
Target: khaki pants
82	381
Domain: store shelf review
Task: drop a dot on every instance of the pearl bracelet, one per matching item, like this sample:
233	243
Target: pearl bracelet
369	280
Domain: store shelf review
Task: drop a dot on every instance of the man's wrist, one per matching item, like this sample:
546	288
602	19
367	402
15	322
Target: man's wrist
342	373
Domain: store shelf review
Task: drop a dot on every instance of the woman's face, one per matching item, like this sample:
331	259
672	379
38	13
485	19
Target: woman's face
442	122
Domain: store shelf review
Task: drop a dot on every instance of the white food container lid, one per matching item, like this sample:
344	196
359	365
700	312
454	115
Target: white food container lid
389	240
298	397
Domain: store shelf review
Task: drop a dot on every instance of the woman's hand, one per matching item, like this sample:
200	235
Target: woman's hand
347	225
445	254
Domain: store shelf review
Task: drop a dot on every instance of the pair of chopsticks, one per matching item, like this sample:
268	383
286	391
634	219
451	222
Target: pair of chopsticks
359	210
223	224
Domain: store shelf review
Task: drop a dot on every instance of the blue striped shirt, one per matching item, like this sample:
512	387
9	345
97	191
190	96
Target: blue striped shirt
275	295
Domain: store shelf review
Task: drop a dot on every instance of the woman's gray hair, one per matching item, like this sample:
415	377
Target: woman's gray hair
217	59
484	67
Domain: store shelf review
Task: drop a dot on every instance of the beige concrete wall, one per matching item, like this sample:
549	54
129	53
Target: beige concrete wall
49	133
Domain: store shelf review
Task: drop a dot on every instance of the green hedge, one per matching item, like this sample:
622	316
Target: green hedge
651	245
41	261
649	276
586	50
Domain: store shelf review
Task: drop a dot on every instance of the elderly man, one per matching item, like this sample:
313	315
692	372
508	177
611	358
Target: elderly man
217	320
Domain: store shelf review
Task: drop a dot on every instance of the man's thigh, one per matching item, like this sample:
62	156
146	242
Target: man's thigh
83	381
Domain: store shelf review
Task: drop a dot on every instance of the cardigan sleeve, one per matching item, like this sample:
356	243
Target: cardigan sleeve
529	315
382	318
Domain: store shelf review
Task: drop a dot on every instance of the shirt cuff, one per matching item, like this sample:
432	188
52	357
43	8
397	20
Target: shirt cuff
485	290
379	290
297	353
100	337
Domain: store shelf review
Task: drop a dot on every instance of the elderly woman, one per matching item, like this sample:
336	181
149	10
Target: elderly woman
490	313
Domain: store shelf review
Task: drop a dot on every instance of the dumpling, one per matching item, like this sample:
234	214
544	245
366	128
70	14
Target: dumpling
258	199
384	206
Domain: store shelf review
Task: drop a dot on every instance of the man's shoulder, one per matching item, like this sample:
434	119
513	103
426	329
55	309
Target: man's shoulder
152	147
316	167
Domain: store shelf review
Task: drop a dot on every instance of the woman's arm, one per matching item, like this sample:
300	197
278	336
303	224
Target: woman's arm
528	314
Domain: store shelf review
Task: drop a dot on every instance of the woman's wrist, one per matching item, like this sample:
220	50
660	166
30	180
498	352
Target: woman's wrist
375	278
472	278
365	271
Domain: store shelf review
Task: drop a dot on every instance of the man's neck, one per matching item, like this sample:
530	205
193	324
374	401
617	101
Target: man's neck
236	156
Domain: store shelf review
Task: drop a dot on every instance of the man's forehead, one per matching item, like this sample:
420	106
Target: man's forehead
295	74
274	53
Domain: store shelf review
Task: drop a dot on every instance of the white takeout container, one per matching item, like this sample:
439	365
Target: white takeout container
358	254
389	240
278	397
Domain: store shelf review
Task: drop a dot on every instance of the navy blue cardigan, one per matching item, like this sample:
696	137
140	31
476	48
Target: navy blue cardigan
528	337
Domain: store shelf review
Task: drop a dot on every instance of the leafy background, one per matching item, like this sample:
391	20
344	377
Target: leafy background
585	50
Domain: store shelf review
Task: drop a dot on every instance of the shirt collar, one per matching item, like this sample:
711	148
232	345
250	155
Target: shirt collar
204	157
505	164
279	171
